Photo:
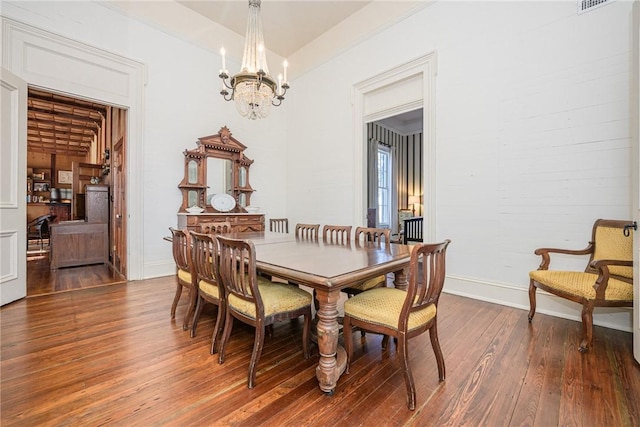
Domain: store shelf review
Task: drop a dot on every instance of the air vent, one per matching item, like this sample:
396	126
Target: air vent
588	5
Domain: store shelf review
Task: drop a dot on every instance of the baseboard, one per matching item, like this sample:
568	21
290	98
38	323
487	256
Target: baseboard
159	269
619	318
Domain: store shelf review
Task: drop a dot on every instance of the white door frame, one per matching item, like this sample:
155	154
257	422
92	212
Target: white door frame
13	207
389	94
635	142
91	73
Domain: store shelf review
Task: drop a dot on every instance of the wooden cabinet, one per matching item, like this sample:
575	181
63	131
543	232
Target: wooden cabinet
240	222
79	243
96	200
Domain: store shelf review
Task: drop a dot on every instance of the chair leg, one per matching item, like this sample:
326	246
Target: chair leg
255	356
348	344
217	329
435	344
228	325
176	298
193	295
408	378
196	316
532	300
587	327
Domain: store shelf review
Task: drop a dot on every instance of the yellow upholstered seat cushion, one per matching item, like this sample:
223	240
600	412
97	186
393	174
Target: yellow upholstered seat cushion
184	275
370	283
382	306
276	297
209	288
581	284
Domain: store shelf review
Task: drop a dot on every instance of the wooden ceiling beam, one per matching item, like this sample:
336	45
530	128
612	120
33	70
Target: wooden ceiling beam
36	114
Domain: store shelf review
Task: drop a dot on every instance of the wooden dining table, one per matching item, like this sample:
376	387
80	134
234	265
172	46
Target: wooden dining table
327	268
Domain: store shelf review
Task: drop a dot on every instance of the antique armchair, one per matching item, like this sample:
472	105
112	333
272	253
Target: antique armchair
256	301
185	277
204	256
606	282
403	314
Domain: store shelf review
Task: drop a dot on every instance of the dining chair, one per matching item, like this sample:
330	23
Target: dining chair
256	301
370	237
403	314
204	255
307	231
185	277
212	227
279	225
607	280
337	234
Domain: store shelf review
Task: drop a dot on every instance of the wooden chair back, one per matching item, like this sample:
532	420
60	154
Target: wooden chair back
426	279
307	231
237	271
365	236
181	247
215	227
279	225
204	253
337	234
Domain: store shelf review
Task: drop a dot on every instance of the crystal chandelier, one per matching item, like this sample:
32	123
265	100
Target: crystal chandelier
253	89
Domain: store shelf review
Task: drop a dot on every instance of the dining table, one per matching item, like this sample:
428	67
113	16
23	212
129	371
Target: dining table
327	268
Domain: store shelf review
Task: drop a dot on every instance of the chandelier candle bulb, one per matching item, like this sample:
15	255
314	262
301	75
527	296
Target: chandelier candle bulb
285	64
224	65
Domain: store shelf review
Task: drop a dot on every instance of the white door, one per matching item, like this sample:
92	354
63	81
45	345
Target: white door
13	168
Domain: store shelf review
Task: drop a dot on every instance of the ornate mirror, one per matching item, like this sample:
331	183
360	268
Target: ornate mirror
217	165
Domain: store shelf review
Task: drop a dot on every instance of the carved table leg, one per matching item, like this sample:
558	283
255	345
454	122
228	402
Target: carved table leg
332	357
400	280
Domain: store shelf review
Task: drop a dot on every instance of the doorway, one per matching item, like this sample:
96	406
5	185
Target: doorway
398	138
70	150
406	87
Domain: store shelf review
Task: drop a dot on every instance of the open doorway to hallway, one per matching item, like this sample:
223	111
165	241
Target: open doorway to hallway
395	168
76	174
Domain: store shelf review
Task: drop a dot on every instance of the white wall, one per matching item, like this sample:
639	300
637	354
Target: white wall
533	135
182	103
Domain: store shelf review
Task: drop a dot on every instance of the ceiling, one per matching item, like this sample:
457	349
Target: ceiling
405	123
58	124
305	32
287	26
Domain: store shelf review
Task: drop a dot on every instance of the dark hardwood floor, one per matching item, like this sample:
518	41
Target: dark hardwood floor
111	355
42	280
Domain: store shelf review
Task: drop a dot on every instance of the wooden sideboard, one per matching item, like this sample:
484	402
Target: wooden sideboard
240	222
79	243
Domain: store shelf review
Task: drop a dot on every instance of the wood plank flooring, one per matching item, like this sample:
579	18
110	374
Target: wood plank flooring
41	280
111	355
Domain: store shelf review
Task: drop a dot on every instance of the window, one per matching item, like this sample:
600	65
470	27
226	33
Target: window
384	187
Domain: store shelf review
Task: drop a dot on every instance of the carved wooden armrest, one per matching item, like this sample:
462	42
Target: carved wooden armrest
602	265
546	259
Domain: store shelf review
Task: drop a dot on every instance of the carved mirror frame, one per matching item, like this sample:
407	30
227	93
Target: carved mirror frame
194	184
